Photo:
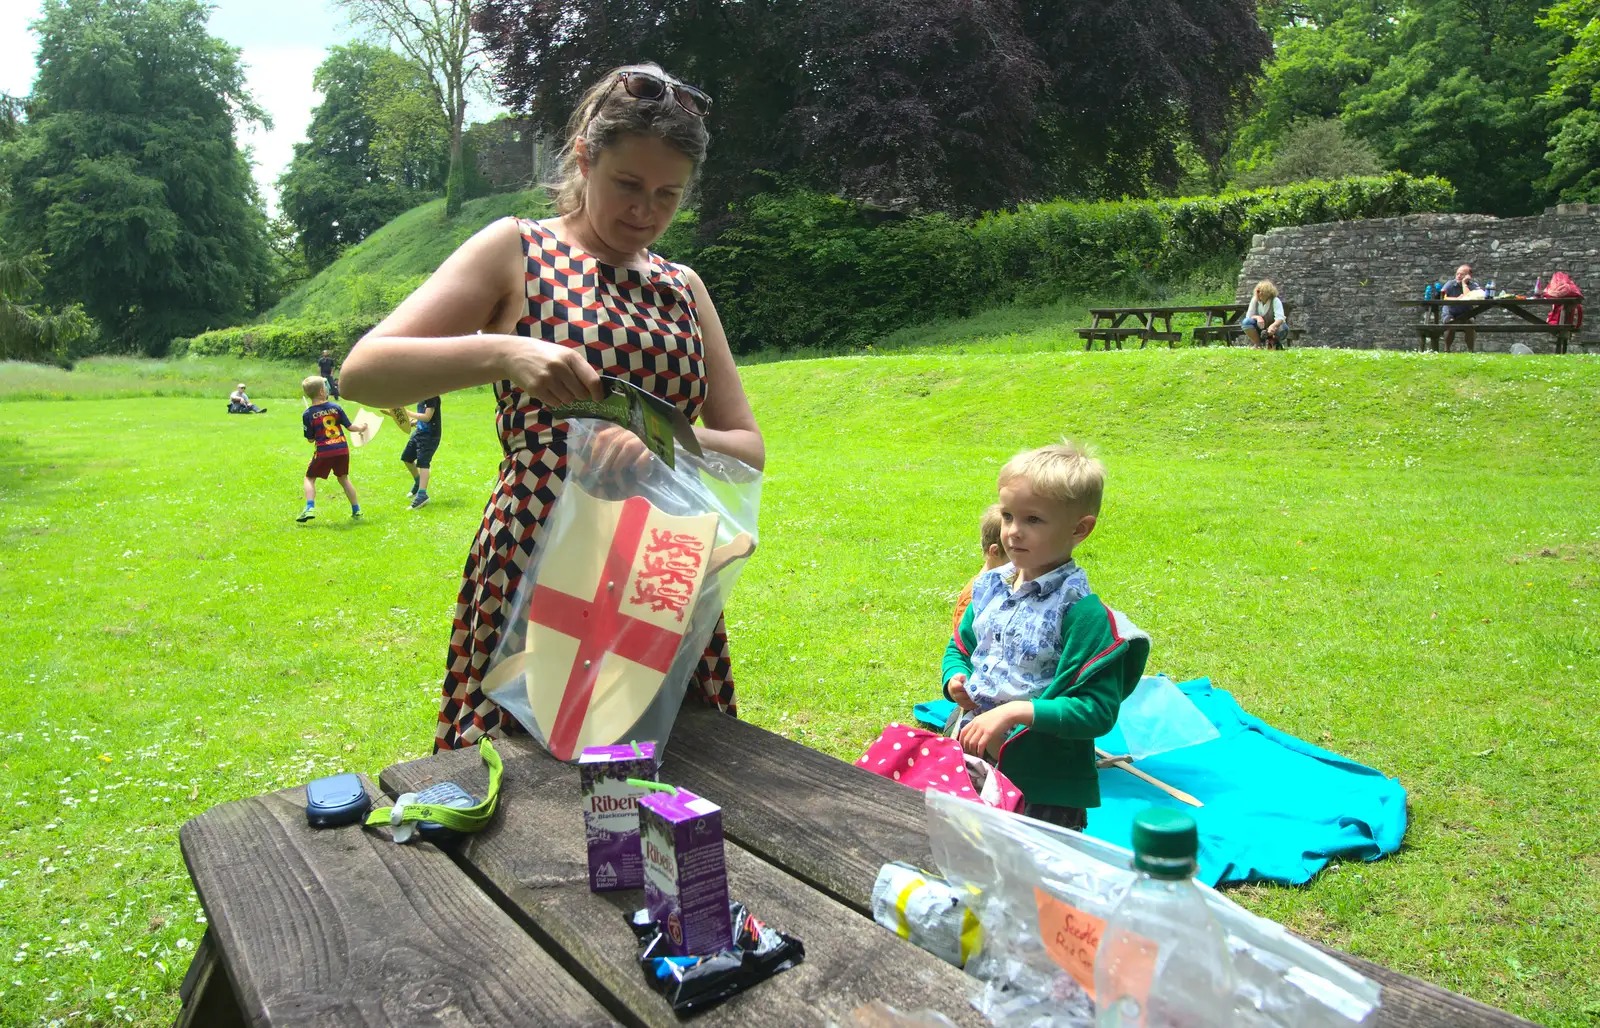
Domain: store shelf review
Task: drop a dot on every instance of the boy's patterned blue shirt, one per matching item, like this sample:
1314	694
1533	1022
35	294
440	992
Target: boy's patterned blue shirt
1019	633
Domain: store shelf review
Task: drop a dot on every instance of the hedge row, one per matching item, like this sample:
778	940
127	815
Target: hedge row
802	269
279	340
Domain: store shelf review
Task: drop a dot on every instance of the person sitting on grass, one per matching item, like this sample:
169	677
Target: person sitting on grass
1264	317
326	427
994	555
1040	665
426	426
239	403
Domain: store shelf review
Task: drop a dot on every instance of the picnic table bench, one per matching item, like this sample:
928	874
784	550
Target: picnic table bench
343	927
1431	332
1221	325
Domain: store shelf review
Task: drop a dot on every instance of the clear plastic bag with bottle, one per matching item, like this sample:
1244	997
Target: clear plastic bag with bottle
1045	895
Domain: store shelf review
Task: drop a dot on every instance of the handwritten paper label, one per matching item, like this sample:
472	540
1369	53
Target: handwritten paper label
1072	938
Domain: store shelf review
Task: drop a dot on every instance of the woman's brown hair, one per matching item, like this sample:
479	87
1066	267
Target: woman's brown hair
608	113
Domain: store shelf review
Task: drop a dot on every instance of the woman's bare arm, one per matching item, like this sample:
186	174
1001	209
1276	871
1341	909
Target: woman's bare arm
452	333
727	424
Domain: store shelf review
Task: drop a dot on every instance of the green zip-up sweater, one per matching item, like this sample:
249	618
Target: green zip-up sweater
1102	657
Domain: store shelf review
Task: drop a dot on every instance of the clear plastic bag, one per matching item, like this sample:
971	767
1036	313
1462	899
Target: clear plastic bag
1044	890
1158	718
611	618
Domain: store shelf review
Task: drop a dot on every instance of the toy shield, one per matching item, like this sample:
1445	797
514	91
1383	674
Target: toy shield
363	427
613	600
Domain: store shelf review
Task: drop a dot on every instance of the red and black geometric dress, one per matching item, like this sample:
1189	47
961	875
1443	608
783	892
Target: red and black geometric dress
641	326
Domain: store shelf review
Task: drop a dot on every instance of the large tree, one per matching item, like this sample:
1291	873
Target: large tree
1454	88
1131	80
437	35
129	178
954	104
1574	94
28	331
375	147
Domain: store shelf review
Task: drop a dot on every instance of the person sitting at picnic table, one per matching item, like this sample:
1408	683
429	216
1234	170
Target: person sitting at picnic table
1461	285
503	310
1264	317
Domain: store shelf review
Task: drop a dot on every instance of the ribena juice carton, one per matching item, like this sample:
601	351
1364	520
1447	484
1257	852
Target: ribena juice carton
611	812
685	871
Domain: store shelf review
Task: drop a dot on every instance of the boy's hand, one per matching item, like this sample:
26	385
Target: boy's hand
958	692
988	730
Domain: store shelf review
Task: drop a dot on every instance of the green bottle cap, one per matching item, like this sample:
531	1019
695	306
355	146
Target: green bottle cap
1165	842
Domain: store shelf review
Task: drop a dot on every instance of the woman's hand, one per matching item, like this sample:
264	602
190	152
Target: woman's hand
549	372
618	448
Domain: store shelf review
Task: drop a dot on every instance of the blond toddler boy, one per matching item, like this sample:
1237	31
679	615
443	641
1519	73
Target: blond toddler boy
1039	664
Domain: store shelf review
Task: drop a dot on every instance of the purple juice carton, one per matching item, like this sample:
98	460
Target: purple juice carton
685	871
611	812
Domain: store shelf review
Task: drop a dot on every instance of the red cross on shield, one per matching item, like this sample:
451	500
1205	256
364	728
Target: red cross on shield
616	591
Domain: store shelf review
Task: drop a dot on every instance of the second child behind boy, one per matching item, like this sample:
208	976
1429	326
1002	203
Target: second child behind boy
1039	665
994	555
326	426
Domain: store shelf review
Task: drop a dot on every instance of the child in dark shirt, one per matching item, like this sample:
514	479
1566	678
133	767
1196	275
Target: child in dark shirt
326	428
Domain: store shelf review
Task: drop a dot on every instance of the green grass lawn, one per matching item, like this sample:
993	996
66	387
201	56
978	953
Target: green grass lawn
106	378
1391	555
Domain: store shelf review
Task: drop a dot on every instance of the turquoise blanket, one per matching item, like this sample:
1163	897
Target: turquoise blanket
1276	808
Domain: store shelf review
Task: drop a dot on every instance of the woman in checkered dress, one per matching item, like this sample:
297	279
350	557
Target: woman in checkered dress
541	310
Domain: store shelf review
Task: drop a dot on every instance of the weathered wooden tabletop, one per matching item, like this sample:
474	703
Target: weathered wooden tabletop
342	927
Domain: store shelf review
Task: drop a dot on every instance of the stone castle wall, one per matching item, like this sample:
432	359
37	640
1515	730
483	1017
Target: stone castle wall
1341	279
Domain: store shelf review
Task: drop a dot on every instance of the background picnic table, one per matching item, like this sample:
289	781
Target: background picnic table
1154	322
1527	320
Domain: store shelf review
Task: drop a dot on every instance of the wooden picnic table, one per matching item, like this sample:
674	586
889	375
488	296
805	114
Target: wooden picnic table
343	927
1432	330
1109	326
1221	324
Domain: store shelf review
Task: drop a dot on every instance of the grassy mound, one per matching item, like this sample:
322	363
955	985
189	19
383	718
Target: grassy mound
337	307
397	257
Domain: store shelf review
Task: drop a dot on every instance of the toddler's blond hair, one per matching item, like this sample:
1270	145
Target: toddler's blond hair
315	388
1064	471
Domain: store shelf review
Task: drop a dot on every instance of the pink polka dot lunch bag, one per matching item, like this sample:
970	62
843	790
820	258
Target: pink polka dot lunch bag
926	760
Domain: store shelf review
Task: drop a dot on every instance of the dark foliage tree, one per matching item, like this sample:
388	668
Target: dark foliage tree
343	184
29	331
931	101
956	104
1132	79
128	176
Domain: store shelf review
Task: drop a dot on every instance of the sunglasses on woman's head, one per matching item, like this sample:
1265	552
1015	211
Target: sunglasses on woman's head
644	85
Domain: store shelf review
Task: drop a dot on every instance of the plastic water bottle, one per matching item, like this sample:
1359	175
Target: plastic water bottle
1163	960
1488	290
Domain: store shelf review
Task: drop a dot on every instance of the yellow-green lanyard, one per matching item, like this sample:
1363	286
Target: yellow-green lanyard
470	819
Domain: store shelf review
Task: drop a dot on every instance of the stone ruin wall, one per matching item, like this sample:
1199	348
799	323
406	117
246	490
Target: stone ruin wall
1341	279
